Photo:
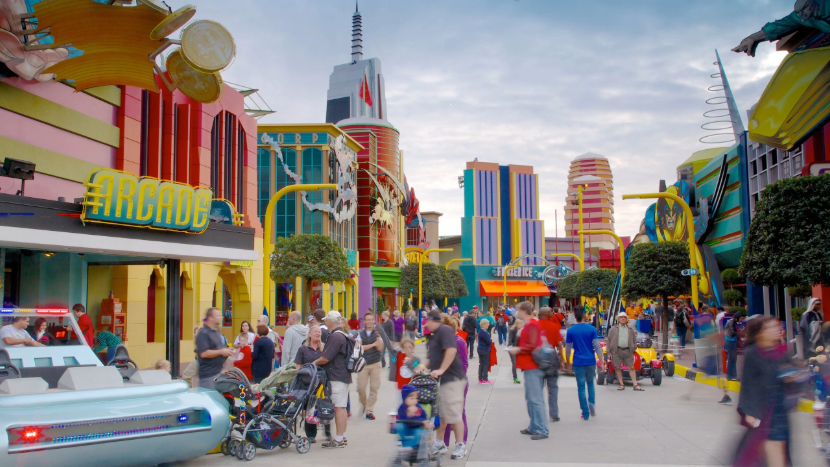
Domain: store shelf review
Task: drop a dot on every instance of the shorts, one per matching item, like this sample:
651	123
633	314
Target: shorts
339	394
623	356
451	401
398	336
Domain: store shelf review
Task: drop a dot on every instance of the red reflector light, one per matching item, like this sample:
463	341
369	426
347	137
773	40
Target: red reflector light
28	435
53	311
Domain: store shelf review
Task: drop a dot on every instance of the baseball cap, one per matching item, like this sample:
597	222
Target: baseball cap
475	307
621	314
334	315
434	315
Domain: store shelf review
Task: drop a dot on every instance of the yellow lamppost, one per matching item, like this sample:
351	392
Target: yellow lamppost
581	261
619	245
504	278
581	236
447	267
424	256
690	230
267	246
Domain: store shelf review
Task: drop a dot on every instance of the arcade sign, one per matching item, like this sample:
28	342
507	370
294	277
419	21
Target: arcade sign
115	197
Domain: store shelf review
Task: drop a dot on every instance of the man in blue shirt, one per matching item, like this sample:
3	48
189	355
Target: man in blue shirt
582	338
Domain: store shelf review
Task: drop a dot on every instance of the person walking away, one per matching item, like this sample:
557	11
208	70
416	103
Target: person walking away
295	335
762	403
445	365
462	354
484	343
469	326
529	340
730	345
373	343
310	351
334	360
398	323
551	329
501	326
513	341
582	338
84	322
262	357
211	348
810	328
411	325
242	356
354	323
681	325
622	344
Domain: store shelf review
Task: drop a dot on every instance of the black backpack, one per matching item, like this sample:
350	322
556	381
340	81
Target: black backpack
680	319
500	322
354	354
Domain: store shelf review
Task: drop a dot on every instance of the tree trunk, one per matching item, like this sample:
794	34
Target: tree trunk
665	324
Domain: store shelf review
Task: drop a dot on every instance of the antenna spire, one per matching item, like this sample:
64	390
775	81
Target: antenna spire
357	35
734	114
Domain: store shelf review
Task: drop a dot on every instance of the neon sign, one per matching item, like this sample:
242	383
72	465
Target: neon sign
116	197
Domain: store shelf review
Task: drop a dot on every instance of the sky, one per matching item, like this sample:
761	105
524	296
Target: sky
530	82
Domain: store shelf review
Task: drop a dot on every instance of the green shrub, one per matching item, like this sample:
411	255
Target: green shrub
800	291
735	309
797	312
732	295
730	276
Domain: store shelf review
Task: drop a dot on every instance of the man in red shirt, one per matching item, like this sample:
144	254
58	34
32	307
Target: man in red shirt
529	340
501	326
84	322
551	328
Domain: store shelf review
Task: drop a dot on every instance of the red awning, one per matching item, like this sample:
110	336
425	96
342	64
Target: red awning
514	288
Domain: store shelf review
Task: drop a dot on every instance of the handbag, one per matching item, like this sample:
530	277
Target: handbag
546	357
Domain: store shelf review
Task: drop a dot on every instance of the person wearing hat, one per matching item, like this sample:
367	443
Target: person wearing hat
621	346
334	361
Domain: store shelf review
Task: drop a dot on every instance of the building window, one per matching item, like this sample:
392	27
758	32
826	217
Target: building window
227	193
241	155
313	173
144	147
214	156
286	208
263	170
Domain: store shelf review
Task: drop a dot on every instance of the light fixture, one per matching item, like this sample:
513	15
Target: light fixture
18	169
49	254
81	254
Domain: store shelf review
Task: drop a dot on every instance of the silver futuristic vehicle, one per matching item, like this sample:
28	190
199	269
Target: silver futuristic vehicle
60	406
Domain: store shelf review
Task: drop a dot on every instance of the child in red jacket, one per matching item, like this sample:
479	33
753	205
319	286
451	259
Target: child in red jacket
243	356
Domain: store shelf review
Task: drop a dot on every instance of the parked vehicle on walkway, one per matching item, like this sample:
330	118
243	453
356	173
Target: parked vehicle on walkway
59	405
646	363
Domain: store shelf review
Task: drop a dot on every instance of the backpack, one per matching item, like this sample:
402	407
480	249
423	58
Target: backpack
511	320
500	321
546	357
354	354
680	319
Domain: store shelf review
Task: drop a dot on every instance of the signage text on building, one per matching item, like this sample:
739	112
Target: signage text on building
119	197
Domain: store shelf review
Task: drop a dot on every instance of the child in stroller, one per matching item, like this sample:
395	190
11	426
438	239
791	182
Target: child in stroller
413	422
257	420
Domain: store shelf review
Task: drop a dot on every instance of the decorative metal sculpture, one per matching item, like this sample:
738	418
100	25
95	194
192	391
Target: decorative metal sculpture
19	48
812	14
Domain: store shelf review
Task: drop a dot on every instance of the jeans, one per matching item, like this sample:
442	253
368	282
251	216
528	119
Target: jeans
502	334
585	375
681	332
553	395
513	361
535	398
731	348
110	354
409	434
483	364
471	343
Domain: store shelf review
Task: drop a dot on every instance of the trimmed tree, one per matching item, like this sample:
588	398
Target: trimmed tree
730	276
591	279
654	270
454	284
567	287
433	282
788	237
311	257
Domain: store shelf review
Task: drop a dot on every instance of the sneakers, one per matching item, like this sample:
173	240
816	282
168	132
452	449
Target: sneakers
538	436
554	419
484	382
459	452
592	410
726	400
370	416
525	431
583	417
438	447
516	380
332	443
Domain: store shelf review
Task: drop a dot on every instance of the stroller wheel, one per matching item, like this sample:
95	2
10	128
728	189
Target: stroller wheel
224	448
248	451
285	442
303	445
233	446
240	450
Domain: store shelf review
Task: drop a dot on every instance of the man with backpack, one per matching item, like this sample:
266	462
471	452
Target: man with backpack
469	326
552	331
530	341
335	361
730	345
501	326
810	328
681	324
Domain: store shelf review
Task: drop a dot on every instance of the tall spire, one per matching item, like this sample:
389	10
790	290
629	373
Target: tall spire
734	115
357	35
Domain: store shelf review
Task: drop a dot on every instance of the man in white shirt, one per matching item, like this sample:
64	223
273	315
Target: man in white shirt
15	335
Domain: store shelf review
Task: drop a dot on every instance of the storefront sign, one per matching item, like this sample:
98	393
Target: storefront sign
246	264
520	272
351	257
122	198
819	169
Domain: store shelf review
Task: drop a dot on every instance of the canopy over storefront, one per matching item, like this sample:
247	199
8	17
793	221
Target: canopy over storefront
514	288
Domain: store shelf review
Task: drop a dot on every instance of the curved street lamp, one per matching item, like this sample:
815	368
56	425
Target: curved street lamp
581	261
619	245
447	267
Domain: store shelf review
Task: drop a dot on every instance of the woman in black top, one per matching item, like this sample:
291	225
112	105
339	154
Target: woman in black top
262	355
310	351
762	399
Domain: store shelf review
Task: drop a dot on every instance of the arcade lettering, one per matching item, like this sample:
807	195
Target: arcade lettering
119	197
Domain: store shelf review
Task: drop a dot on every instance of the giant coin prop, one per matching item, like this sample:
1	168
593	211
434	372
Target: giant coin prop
172	23
207	46
201	87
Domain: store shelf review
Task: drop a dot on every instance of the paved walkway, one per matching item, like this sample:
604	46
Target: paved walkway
655	427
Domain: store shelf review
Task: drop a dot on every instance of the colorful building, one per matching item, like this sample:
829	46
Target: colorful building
501	225
289	154
593	173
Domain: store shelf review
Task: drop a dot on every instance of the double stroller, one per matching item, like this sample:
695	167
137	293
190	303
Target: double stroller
421	454
267	421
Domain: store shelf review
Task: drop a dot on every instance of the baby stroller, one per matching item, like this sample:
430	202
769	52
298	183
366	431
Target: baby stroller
252	426
305	400
421	455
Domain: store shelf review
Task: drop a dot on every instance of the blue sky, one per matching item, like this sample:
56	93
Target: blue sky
535	82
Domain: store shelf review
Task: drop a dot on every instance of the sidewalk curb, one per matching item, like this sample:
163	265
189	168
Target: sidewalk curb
697	376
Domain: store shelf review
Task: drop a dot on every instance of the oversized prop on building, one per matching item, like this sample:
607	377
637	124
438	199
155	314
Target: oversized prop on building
795	100
119	43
